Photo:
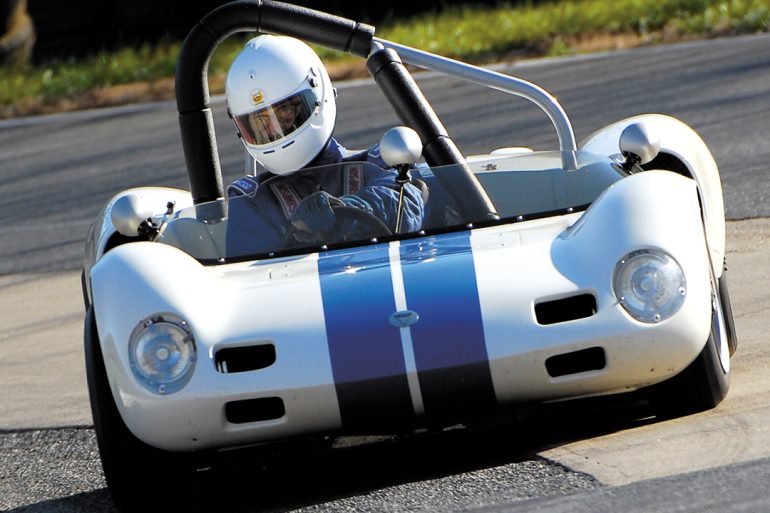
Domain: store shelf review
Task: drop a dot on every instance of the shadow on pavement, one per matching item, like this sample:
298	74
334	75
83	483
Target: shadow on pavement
312	474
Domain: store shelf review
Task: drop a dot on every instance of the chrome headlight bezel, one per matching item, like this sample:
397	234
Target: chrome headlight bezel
649	284
162	353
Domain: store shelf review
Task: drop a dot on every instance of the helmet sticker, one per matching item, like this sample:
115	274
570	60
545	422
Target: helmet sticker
257	97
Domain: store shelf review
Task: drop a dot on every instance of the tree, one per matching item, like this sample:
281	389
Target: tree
17	33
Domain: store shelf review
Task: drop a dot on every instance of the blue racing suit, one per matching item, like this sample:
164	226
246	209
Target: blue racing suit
259	212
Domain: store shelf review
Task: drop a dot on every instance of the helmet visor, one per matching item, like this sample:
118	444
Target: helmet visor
274	122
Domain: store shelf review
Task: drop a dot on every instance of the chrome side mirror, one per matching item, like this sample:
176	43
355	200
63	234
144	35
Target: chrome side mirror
400	145
638	144
129	212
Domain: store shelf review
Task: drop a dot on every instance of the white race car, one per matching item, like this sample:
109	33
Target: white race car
536	276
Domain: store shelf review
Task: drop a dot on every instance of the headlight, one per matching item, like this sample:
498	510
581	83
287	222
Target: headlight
161	352
649	284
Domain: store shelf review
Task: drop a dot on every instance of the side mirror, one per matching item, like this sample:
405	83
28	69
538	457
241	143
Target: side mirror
400	145
129	212
638	144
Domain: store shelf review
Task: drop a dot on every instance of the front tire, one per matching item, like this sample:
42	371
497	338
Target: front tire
705	382
139	476
727	309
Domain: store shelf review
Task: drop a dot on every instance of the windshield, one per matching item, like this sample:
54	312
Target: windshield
360	203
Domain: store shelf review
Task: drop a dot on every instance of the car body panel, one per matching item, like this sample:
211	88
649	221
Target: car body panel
682	142
340	363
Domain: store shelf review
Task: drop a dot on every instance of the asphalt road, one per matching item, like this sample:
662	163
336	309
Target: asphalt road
596	456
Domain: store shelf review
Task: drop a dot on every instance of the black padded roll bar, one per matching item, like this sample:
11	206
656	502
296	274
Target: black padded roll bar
192	91
413	108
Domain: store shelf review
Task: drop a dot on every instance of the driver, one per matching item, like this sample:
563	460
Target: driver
283	104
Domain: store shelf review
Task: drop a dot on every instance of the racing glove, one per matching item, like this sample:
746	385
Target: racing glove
315	213
354	201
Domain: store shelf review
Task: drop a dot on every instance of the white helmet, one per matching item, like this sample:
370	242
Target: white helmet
282	101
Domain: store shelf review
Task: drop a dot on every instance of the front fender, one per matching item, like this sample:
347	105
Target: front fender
102	230
678	140
134	281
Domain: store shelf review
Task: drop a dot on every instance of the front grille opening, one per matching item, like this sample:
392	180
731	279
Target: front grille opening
585	360
567	309
254	410
245	358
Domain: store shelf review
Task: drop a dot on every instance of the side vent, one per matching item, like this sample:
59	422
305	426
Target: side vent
246	358
254	410
566	309
585	360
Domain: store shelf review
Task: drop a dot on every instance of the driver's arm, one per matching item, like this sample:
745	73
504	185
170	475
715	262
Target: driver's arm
381	195
315	213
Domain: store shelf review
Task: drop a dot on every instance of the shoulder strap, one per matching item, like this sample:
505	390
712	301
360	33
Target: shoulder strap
354	178
287	196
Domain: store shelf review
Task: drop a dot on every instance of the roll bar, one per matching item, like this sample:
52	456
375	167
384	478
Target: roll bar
500	82
439	149
384	64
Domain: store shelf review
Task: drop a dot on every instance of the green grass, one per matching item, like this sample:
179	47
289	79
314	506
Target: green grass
69	78
465	32
472	32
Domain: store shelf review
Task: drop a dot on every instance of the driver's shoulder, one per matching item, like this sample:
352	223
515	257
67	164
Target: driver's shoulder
243	186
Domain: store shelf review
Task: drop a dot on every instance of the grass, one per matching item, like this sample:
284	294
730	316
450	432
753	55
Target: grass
554	27
472	33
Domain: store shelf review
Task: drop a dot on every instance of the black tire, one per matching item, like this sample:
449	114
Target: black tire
704	383
727	310
139	477
84	288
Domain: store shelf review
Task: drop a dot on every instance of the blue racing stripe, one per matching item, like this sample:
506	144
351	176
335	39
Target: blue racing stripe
448	340
366	352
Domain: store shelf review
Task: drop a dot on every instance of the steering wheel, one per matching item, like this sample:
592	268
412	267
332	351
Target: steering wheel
351	223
